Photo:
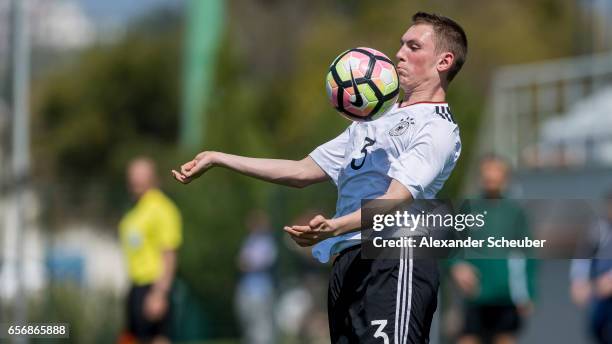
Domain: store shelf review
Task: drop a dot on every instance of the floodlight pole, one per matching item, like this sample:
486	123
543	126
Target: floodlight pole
20	161
205	21
21	82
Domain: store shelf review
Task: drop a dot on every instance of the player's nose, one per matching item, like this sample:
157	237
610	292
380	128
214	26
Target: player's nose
399	55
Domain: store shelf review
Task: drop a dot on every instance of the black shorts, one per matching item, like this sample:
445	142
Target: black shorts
138	325
381	301
488	321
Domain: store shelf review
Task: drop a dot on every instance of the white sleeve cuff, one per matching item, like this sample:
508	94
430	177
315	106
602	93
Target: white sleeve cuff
320	159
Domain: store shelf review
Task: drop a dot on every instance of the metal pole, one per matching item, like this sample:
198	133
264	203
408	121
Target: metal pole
20	144
21	81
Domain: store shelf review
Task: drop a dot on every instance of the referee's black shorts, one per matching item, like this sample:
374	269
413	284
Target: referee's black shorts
381	301
138	325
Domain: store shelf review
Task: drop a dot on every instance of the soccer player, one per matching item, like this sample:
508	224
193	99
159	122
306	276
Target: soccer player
406	154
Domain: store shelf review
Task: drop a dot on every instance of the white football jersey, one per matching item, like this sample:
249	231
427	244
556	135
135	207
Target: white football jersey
417	145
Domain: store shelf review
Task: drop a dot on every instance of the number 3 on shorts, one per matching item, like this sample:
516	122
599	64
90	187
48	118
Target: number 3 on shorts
379	331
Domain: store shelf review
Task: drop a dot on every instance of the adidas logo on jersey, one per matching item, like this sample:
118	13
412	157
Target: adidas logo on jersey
444	112
401	127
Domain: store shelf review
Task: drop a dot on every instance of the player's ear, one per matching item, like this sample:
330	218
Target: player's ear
445	62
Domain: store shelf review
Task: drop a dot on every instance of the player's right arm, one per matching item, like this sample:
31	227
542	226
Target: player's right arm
294	173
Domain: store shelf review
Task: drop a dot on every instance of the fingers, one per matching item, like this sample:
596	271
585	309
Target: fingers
299	231
186	172
187	167
302	235
290	231
180	177
317	221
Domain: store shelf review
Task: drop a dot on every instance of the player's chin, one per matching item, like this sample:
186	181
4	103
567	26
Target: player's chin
406	87
405	83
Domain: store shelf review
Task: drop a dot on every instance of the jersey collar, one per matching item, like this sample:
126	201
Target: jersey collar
420	104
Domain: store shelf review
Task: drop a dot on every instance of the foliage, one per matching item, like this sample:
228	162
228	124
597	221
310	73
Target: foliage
93	316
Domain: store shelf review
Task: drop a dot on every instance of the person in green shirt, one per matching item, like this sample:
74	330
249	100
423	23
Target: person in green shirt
150	234
498	293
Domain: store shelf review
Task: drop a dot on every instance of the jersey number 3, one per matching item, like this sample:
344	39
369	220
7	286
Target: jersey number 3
368	142
379	331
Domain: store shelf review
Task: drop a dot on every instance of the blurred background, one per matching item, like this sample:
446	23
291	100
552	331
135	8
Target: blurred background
86	85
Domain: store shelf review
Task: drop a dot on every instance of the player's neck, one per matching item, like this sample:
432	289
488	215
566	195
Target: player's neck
435	95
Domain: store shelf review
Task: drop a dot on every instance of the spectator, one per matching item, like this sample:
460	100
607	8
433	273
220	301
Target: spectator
591	279
498	292
255	290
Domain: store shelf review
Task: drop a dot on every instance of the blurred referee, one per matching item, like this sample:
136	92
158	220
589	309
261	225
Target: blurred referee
150	234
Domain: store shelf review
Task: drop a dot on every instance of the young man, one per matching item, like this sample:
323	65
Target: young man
406	154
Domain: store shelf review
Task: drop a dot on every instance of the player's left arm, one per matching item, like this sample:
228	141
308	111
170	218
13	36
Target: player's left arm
321	228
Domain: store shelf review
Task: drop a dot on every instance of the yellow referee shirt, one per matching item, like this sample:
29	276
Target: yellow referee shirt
146	231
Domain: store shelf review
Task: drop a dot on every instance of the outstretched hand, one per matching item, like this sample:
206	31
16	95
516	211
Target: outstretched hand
318	229
194	168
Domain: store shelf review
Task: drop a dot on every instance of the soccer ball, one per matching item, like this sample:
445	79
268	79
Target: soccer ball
362	84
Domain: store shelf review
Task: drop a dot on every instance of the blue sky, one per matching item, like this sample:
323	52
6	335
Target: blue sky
122	10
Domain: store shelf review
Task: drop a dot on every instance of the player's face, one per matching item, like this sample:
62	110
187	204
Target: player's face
493	177
417	58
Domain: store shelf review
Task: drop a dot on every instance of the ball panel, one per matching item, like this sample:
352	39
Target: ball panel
358	63
389	89
342	68
386	76
373	51
371	106
379	84
333	95
330	80
376	70
358	111
331	88
387	105
347	97
339	57
367	93
389	78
